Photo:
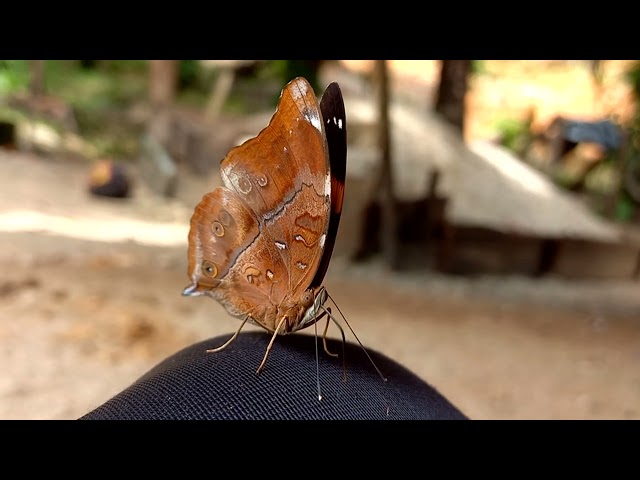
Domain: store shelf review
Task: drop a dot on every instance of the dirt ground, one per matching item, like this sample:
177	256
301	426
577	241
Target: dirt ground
90	300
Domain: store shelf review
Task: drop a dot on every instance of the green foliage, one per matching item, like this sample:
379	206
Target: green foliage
123	66
478	67
605	177
11	115
98	91
514	134
633	78
563	179
625	208
14	76
626	202
189	74
95	91
287	70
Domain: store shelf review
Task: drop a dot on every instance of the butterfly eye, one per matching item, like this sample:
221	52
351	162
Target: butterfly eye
209	269
218	229
307	298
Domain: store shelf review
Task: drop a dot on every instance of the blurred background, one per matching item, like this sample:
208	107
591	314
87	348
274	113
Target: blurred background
490	238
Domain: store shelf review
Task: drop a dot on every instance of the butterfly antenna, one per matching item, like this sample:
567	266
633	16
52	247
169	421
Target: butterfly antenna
384	379
315	326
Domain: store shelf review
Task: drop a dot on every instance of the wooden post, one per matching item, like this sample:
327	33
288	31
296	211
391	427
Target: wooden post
389	233
547	257
220	92
450	99
163	82
36	78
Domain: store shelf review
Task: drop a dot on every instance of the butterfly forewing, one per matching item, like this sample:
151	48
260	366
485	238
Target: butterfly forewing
269	169
282	177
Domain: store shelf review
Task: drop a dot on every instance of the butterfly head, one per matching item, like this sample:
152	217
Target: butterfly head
296	314
316	302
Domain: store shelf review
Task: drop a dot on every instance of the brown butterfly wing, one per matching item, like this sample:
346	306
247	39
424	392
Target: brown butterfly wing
278	186
223	227
284	171
269	169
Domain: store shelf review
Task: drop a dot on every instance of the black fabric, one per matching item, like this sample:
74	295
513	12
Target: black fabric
193	384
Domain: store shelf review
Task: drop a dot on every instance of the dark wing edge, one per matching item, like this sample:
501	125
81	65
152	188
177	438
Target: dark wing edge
335	127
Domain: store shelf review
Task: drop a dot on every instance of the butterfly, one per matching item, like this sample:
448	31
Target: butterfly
261	244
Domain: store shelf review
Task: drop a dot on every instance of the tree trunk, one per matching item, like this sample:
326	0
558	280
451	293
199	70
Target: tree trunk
597	70
36	78
388	232
452	91
163	82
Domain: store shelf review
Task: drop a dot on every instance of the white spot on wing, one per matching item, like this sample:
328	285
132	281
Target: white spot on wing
301	265
238	182
298	93
322	240
327	183
281	245
340	123
314	119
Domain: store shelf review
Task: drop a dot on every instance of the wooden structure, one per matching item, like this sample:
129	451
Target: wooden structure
492	212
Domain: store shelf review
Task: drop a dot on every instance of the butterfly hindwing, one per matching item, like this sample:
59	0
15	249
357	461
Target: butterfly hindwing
335	127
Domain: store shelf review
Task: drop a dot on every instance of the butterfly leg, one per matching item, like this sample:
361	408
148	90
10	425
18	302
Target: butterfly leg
324	334
226	344
327	313
266	354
